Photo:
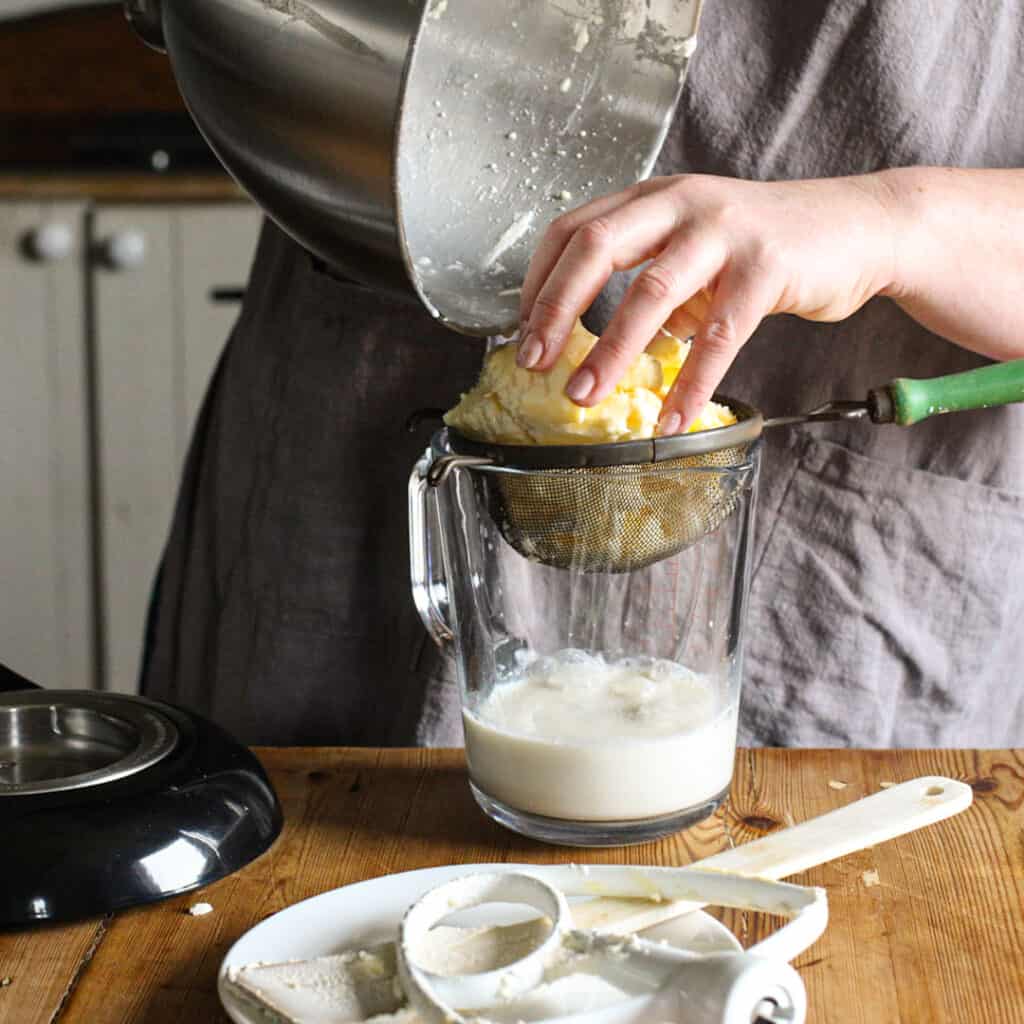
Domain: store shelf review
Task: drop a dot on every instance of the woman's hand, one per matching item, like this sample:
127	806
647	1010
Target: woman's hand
946	244
723	254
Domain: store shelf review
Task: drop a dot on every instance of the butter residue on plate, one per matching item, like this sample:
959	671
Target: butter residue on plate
509	405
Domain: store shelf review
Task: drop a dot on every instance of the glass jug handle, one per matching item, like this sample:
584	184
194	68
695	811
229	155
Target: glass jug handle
429	587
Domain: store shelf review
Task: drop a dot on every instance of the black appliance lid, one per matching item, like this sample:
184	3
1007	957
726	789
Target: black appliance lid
110	801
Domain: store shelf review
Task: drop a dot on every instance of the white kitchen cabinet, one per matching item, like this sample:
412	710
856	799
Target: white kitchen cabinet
105	355
46	592
158	334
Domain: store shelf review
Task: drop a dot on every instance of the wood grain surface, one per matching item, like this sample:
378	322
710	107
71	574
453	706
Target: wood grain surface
927	928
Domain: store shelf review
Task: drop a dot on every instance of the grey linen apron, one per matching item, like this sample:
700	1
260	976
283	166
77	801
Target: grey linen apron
887	595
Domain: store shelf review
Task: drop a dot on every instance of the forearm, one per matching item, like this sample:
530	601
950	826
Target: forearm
958	255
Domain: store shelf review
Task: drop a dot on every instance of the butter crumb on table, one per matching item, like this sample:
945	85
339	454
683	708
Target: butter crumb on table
5	981
836	784
871	878
200	909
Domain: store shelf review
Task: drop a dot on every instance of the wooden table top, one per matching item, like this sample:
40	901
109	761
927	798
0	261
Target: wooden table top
938	937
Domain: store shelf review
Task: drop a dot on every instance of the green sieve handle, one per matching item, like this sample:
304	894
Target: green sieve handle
906	401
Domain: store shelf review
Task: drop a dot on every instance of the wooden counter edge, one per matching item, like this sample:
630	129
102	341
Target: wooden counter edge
320	751
120	187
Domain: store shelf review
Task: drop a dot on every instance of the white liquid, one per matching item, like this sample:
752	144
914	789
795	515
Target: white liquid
584	740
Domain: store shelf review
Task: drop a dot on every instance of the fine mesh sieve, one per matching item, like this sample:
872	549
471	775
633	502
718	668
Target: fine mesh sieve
609	507
618	507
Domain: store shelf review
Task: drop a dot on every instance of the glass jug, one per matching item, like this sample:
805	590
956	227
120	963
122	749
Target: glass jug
599	708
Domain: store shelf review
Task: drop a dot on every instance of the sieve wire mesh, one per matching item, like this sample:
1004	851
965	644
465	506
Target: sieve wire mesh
609	507
614	518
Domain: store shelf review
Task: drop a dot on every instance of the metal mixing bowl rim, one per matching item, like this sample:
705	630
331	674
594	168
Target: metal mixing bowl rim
413	273
396	189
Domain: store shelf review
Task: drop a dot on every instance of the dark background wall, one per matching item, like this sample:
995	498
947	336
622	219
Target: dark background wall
78	88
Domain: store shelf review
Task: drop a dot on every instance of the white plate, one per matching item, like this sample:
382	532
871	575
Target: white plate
359	915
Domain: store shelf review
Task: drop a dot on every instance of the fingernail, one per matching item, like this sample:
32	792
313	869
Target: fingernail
582	383
530	352
670	424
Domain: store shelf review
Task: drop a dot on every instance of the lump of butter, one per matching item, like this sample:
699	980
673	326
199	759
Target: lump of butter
509	405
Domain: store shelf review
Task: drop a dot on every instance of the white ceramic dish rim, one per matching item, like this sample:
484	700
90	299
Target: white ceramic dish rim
373	909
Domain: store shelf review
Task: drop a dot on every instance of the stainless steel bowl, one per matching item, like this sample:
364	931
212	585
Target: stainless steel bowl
422	147
59	740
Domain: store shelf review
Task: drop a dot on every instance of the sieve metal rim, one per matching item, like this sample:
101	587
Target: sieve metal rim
652	469
530	458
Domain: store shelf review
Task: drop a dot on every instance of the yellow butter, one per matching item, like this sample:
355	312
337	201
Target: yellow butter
509	405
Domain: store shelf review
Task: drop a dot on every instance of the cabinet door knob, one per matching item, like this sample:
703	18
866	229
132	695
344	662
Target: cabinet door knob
125	249
50	242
